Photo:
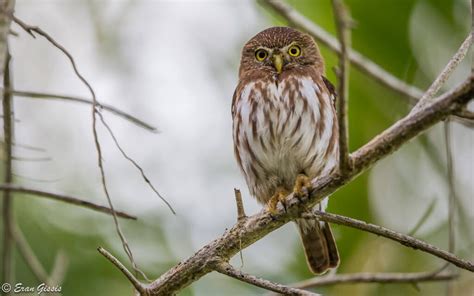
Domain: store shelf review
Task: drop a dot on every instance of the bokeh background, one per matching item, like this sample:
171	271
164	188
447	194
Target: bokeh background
174	64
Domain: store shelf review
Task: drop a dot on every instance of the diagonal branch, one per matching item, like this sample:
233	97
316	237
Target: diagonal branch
229	270
110	108
344	34
64	198
257	226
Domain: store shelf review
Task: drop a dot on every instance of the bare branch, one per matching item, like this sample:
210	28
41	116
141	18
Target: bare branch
365	65
63	198
139	286
110	108
257	226
393	235
381	278
229	270
446	73
344	34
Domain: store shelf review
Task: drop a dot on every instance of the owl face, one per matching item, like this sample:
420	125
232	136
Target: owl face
277	51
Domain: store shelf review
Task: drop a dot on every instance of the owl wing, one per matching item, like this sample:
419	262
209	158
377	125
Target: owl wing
331	89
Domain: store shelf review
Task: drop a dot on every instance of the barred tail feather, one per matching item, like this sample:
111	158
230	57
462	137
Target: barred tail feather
319	246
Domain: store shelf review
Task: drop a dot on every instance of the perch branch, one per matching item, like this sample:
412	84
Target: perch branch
110	108
344	34
257	226
403	239
229	270
64	198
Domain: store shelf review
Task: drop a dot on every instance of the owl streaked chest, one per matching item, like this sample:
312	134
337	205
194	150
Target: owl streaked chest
279	127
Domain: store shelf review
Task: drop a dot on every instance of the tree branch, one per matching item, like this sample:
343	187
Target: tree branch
64	198
344	35
110	108
393	235
229	270
257	226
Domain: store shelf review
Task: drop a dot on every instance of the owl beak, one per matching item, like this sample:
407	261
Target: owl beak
277	62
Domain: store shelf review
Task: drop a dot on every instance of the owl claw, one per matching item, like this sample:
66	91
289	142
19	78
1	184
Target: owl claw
302	186
279	197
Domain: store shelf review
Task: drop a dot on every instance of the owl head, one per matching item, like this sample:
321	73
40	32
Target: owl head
278	51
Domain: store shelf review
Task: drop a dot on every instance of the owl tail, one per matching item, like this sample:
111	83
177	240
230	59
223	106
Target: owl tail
319	245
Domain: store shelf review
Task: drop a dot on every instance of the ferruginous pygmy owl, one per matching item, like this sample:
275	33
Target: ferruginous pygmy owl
285	128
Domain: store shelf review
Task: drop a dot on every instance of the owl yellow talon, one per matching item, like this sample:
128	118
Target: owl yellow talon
302	185
279	196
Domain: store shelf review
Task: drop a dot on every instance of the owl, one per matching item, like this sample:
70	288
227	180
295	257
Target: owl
285	129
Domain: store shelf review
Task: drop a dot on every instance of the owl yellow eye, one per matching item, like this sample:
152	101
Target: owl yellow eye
294	51
261	54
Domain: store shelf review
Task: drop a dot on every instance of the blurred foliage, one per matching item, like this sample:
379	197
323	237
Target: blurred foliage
381	32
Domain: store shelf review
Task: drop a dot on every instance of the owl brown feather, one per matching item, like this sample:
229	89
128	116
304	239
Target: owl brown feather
284	125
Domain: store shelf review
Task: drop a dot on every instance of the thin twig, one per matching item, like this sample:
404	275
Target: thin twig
63	198
393	235
374	278
229	270
365	65
110	108
446	73
344	34
34	29
139	286
135	164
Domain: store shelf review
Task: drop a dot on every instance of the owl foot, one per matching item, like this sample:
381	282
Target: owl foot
302	186
279	196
